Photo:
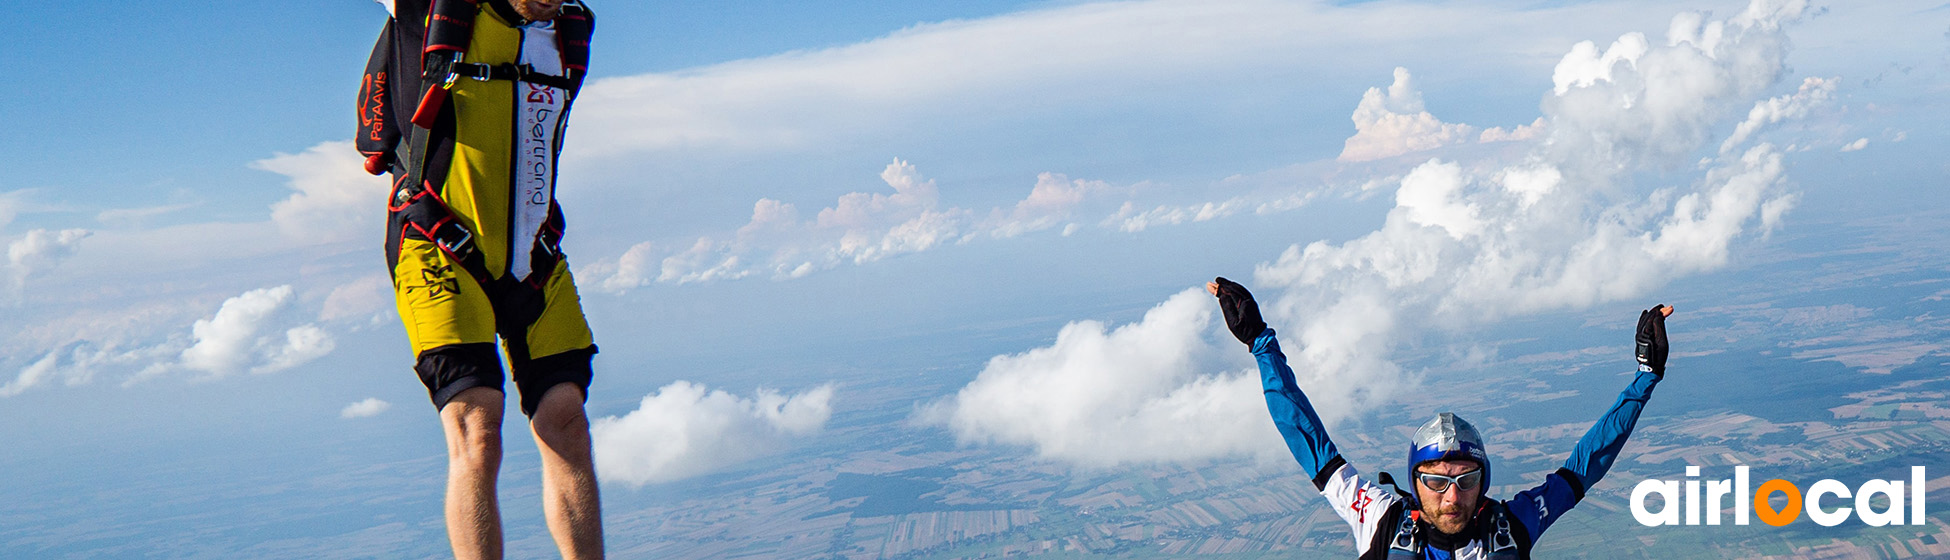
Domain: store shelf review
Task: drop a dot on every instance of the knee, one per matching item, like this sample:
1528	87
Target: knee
560	421
473	421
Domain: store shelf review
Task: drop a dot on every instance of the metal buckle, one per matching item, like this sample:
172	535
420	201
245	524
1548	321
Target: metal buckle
458	245
1502	540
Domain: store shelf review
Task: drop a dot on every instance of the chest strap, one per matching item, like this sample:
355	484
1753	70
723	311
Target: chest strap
1498	539
513	72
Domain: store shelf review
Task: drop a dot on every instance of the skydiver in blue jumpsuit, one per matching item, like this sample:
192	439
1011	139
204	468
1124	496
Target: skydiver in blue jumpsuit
1446	516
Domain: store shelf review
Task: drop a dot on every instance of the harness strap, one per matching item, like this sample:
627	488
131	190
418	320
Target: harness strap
513	72
1405	544
422	212
450	25
1502	544
1498	537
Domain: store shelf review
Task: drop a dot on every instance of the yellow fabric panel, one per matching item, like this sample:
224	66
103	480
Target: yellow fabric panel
561	327
439	303
479	180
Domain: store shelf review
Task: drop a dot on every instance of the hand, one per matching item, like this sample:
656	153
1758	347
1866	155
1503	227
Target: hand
1242	313
1652	347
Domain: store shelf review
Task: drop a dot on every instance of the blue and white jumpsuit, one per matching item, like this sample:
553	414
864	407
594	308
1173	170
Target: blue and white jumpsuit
1374	512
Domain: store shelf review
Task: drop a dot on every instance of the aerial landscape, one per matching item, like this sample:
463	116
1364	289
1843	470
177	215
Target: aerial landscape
924	280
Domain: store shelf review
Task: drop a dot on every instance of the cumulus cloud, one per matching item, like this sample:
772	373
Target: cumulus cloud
1640	105
241	337
368	408
685	430
1393	122
1857	145
334	198
1155	390
1472	242
40	250
1563	226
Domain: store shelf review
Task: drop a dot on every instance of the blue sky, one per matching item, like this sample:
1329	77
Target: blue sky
761	194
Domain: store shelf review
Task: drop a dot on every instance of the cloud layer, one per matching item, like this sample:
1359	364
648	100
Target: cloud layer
685	430
254	332
860	227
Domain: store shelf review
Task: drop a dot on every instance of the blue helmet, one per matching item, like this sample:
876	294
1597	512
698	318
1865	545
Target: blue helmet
1448	437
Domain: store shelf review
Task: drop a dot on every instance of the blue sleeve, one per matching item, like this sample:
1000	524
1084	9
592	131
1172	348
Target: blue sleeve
1305	436
1538	507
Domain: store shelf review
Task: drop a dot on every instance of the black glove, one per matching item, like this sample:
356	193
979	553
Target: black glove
1652	347
1242	313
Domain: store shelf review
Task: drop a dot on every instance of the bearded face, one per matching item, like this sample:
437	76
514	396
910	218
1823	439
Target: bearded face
1450	509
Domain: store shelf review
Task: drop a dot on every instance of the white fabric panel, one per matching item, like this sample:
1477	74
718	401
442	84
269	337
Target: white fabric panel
1361	503
538	128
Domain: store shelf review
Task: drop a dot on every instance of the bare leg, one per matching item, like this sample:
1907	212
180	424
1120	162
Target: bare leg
472	421
569	495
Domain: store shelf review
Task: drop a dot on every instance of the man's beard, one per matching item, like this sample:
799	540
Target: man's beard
1452	524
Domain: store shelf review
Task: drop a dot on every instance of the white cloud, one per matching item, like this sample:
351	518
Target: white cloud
860	227
40	250
1585	67
1468	242
1641	105
1814	92
1473	242
1155	390
1129	219
1394	123
1857	145
1054	200
684	430
78	364
241	337
864	227
365	409
1430	196
1524	132
255	332
34	374
335	199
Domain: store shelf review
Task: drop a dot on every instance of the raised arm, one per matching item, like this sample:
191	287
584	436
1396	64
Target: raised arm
1537	508
1599	447
1366	507
1305	436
